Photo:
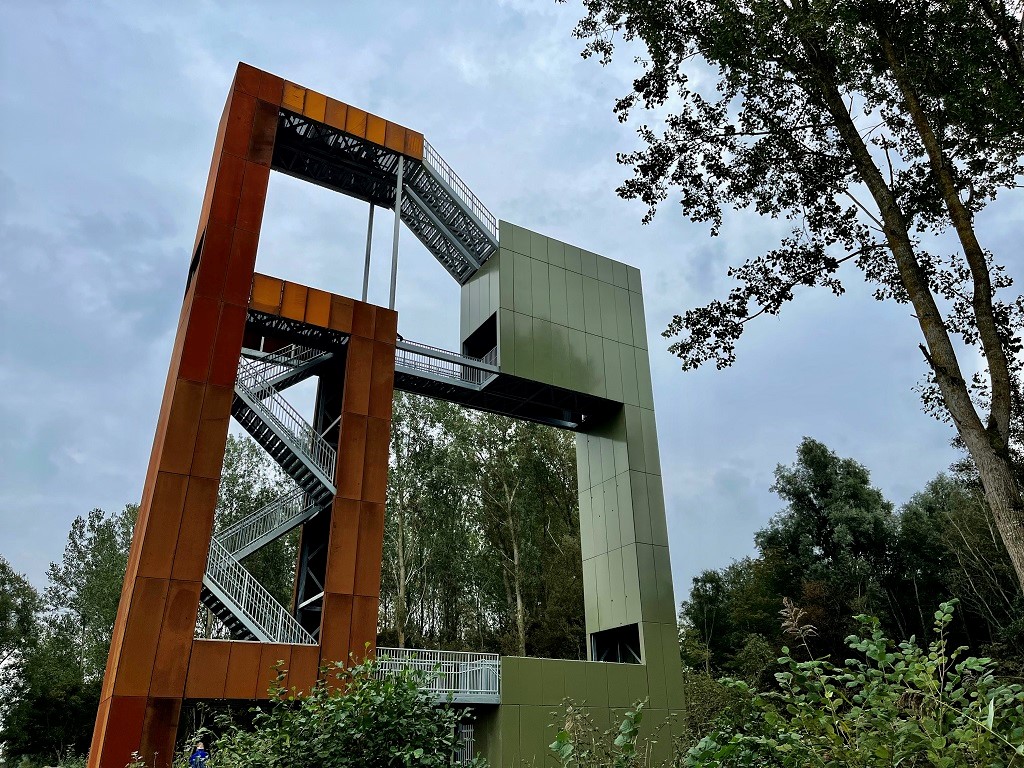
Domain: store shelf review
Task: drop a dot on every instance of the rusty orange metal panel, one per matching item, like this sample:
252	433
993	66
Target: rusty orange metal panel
341	558
158	731
351	448
264	132
363	319
129	714
196	528
394	137
273	657
179	443
208	458
369	545
247	79
302	673
135	668
244	673
375	129
294	304
213	261
179	623
162	524
341	313
239	127
335	113
385	326
98	731
375	467
228	345
382	381
207	669
254	197
238	279
318	308
414	144
294	97
336	628
355	122
199	336
356	397
363	639
266	294
316	105
271	88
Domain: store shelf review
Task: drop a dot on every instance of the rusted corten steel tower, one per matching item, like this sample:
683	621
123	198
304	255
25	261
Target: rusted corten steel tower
550	333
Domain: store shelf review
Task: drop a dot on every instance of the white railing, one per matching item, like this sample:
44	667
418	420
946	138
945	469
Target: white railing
277	410
247	597
287	359
450	365
464	676
444	172
279	512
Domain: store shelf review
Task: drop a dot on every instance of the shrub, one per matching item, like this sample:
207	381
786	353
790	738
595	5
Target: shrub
891	706
352	717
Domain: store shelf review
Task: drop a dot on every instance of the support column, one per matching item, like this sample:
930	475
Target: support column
394	237
369	243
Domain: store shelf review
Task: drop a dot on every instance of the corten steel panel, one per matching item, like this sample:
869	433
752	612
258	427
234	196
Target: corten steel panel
267	294
318	308
355	122
305	664
363	319
274	659
336	628
341	314
383	376
315	106
178	625
271	88
208	669
341	571
335	114
375	129
294	97
363	639
159	729
368	548
152	639
244	673
359	369
351	452
294	303
375	464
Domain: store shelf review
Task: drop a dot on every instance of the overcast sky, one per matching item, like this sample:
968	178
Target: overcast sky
110	115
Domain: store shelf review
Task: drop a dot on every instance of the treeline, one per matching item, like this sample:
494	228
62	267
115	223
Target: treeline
482	540
838	549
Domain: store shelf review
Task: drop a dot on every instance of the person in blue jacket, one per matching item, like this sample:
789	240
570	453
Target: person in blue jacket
199	756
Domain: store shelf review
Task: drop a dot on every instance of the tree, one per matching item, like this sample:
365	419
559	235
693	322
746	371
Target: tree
19	604
876	128
51	691
85	587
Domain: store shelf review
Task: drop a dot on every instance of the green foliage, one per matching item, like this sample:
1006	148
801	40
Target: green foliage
481	545
580	744
19	604
52	688
352	717
889	705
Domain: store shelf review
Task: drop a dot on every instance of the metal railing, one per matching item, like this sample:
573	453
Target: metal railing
449	365
287	359
464	676
279	411
279	512
249	601
444	172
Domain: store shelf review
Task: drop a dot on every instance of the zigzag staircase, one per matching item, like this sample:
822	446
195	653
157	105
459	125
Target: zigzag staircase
246	608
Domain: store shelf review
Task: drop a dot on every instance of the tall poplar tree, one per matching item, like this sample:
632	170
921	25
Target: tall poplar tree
880	130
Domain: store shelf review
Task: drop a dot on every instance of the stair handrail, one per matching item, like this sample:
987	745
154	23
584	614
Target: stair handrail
288	359
243	532
250	598
436	163
253	382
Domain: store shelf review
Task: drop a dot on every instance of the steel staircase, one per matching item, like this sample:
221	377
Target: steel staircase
267	524
247	609
447	217
264	413
242	604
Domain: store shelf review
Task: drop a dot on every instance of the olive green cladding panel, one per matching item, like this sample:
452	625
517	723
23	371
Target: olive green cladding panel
573	319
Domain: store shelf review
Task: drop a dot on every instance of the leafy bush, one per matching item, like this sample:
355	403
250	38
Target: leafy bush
891	706
582	744
350	718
